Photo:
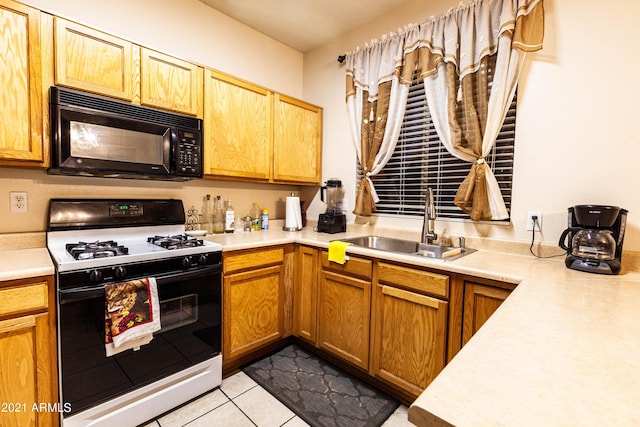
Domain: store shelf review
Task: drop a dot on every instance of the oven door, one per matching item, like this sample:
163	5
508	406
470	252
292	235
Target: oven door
191	318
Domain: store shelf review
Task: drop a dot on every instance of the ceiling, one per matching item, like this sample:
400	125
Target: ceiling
304	24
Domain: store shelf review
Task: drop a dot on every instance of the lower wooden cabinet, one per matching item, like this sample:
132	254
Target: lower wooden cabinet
27	353
305	294
253	314
409	335
480	302
344	309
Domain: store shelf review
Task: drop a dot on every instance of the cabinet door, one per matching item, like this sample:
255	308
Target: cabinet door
170	83
297	142
25	371
344	308
238	128
409	338
21	100
480	302
305	294
91	60
253	310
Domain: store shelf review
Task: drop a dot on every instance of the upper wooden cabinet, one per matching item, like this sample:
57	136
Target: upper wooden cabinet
238	128
171	84
297	141
97	62
252	133
21	97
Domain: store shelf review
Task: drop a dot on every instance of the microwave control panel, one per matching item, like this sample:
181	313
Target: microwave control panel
189	154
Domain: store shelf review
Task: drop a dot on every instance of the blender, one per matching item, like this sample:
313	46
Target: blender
594	238
333	220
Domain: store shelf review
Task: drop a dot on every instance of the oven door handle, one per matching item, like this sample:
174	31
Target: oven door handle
96	291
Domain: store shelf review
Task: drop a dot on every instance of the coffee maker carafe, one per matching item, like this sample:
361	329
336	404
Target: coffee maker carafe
593	240
333	220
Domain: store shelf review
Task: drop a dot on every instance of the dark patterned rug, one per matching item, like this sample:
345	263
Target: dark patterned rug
320	393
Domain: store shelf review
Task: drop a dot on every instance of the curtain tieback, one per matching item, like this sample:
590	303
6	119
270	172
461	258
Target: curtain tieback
480	160
374	193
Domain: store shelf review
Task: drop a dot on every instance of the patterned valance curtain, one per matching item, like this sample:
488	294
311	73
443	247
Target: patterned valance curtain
453	54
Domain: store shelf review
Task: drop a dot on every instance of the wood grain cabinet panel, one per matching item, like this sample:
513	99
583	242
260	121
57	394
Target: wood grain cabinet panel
238	140
306	294
27	351
480	302
170	83
21	97
97	62
297	142
408	339
344	309
254	301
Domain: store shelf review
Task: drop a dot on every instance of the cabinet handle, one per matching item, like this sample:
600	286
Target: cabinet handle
413	297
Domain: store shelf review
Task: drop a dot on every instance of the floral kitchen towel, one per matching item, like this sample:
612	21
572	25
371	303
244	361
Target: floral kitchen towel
132	314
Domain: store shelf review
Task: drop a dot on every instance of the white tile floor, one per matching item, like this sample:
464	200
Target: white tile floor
240	402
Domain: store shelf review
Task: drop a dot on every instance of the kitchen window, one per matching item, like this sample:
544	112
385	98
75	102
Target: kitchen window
420	160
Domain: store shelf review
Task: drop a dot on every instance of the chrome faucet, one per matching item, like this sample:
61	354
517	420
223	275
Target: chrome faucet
429	223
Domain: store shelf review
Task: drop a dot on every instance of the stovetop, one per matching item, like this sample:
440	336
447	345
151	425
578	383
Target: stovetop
128	245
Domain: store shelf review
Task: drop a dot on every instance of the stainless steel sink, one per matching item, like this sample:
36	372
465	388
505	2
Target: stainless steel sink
409	247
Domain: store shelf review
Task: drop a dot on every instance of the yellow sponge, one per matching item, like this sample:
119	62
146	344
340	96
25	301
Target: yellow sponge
337	251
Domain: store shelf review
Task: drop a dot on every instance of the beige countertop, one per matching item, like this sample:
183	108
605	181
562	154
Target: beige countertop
25	263
562	350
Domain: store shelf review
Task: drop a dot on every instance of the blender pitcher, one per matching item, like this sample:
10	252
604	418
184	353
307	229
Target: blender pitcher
333	190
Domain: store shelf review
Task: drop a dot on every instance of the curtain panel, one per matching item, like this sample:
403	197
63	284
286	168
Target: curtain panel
453	54
376	101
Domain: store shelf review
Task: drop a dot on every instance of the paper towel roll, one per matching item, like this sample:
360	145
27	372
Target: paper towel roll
293	220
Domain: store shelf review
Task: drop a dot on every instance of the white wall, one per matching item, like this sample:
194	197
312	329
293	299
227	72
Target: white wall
576	138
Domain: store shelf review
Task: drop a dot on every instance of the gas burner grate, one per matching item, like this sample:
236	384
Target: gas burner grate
179	241
97	249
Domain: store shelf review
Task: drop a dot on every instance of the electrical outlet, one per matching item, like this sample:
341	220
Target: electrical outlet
18	201
530	216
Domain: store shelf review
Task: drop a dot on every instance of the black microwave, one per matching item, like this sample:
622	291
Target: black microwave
97	136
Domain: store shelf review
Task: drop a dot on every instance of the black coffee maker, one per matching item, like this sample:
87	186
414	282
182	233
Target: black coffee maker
333	220
594	238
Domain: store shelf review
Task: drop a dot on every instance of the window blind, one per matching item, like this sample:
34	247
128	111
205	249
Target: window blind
420	161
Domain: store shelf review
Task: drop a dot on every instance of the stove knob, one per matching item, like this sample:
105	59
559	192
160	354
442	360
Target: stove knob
202	260
120	272
95	275
186	261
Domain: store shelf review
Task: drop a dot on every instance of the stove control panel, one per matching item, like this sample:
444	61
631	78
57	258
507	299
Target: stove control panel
125	209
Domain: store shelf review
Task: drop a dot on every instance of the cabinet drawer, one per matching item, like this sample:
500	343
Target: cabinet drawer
247	260
413	279
23	298
353	266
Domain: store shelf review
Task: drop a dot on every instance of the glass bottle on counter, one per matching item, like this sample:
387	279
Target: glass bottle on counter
229	218
218	216
207	215
256	217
